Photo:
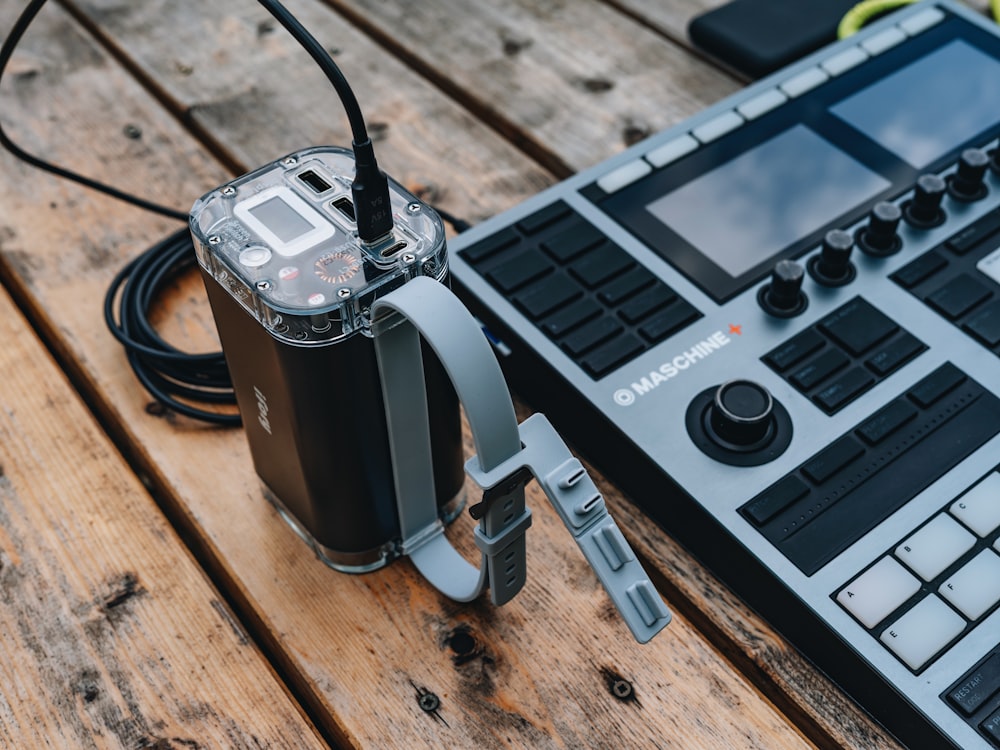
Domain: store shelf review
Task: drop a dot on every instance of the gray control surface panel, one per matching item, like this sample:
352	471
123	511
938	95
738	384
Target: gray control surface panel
777	327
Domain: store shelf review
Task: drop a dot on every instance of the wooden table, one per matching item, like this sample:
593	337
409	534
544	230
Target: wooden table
150	596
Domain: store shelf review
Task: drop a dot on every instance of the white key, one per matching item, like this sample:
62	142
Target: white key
876	45
849	58
625	175
976	587
979	508
805	81
922	21
717	127
935	546
923	631
873	595
672	150
762	104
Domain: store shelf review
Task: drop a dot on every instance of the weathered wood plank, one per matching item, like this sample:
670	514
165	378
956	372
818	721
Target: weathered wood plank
110	636
570	83
237	76
541	672
574	82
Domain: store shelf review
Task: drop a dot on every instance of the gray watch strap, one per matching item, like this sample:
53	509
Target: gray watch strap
507	456
426	307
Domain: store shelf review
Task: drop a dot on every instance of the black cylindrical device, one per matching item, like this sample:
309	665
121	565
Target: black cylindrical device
291	286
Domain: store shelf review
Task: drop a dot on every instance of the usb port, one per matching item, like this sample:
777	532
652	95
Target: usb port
314	181
392	249
344	205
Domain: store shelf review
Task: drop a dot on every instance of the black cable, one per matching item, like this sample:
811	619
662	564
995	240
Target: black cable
165	371
168	373
327	65
459	225
6	51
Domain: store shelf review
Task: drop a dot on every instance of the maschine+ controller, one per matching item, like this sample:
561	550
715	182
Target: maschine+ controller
776	326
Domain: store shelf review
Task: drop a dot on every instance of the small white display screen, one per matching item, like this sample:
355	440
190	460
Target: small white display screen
921	111
742	213
282	220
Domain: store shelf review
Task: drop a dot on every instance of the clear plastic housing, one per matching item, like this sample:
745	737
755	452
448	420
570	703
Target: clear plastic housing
282	241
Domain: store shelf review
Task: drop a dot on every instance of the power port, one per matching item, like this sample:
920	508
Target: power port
345	207
314	181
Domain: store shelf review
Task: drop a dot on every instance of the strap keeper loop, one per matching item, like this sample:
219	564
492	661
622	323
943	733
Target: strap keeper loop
493	545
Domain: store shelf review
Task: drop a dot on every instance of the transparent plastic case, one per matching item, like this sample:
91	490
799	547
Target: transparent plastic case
283	242
291	287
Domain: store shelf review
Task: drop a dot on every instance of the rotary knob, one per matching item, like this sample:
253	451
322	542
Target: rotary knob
783	296
924	210
967	182
739	423
741	415
879	236
833	267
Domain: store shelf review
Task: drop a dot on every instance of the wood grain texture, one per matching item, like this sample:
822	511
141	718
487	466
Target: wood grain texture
110	636
572	81
230	71
555	668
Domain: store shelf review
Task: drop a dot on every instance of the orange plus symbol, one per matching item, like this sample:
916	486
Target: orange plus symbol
735	330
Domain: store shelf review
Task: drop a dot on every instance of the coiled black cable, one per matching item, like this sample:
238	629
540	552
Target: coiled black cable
168	373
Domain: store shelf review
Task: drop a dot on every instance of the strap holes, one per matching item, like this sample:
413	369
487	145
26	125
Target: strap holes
508	518
509	504
510	569
511	581
509	556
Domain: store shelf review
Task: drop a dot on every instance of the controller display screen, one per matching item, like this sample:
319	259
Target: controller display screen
285	222
748	209
922	110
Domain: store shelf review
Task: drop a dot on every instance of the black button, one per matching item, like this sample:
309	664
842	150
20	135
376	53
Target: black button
894	354
490	246
945	378
546	296
818	369
537	221
592	334
611	355
646	303
794	350
922	268
519	270
775	499
602	264
977	687
886	421
572	242
846	388
958	296
971	236
564	321
668	321
831	460
985	324
857	326
625	286
991	728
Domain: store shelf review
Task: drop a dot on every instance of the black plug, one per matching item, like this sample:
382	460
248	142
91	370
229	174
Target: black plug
370	189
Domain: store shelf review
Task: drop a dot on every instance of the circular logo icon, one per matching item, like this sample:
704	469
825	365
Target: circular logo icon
288	273
624	397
